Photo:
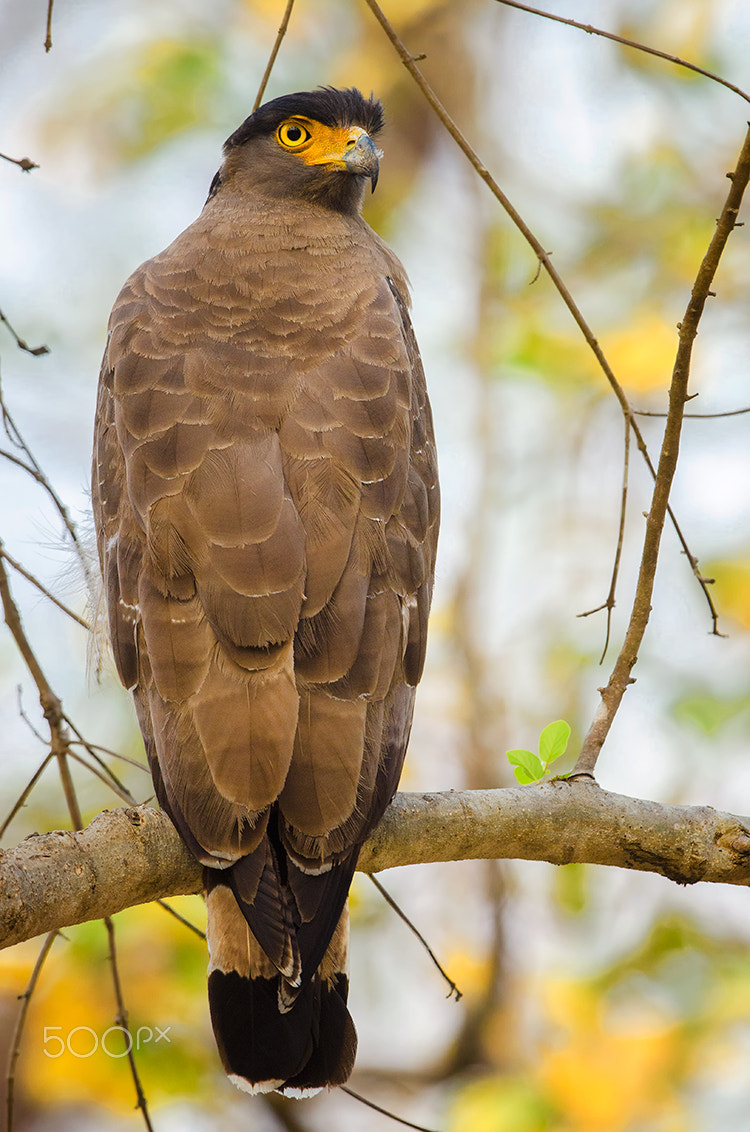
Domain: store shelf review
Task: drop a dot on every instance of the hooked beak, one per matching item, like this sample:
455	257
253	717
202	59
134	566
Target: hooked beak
363	160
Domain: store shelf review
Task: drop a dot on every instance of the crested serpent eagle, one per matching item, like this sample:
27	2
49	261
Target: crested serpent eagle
266	504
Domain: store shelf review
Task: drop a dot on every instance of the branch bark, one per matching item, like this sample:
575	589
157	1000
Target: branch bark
134	855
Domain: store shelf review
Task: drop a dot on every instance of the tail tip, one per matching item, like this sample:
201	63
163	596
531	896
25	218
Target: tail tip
300	1052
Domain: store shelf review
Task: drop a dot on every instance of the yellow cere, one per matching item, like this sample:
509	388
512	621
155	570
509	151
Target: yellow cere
318	144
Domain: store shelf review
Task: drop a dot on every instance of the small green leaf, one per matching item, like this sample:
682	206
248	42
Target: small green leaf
553	741
526	761
523	776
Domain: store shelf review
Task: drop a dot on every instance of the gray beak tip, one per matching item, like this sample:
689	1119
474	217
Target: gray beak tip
363	160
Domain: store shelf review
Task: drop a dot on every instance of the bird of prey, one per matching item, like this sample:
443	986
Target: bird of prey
266	504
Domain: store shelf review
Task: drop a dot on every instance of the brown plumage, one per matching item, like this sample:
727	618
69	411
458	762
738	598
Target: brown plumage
266	504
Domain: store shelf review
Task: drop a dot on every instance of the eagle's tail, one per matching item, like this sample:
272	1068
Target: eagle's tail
295	1036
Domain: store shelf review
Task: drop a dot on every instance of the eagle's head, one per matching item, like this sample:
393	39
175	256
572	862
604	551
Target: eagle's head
314	145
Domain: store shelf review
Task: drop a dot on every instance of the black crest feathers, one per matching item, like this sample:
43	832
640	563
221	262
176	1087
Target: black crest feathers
328	105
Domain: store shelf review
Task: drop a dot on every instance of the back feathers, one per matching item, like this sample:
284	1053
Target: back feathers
266	503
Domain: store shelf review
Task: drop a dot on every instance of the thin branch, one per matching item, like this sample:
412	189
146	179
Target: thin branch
94	747
183	919
609	603
544	261
15	1043
678	396
25	717
121	791
121	1020
384	1111
42	589
629	43
24	163
21	464
49	701
34	469
543	256
93	751
35	351
51	705
135	855
415	931
695	416
48	30
274	52
21	800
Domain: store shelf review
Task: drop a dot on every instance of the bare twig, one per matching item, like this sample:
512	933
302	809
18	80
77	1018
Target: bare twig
109	780
544	261
15	1044
678	396
31	465
106	775
49	701
415	931
695	416
60	750
21	464
629	43
21	800
42	589
92	748
35	351
24	163
25	717
121	1020
183	919
274	52
543	256
51	706
383	1111
48	30
609	603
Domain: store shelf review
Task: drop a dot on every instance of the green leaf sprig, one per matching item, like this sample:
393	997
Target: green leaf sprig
553	741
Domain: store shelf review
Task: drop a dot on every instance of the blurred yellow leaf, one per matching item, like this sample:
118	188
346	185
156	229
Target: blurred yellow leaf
602	1080
469	971
600	1071
642	353
570	1004
732	588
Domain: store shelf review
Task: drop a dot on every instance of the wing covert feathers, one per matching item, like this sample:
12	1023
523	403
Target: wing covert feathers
266	502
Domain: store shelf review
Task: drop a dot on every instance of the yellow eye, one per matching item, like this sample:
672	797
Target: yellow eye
292	134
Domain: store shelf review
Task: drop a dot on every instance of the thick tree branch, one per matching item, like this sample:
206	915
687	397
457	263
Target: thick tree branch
131	856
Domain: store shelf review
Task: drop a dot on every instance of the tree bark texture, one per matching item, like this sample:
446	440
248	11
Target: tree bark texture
134	855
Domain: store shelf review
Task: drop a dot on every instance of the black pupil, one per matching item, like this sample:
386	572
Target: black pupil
293	133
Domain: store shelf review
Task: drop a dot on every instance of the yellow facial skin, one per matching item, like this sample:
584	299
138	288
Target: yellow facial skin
317	144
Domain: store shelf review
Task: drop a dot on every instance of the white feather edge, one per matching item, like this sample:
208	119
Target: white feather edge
269	1086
